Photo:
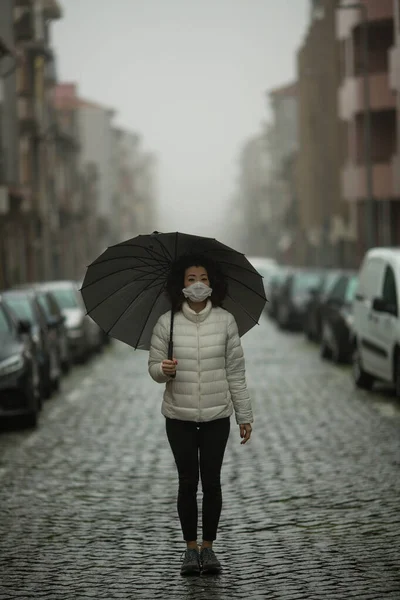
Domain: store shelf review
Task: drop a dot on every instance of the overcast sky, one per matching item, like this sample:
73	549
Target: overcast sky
191	77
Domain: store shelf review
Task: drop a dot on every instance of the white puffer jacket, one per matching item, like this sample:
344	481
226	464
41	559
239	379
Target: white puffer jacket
210	378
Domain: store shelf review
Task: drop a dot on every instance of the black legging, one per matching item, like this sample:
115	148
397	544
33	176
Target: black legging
188	440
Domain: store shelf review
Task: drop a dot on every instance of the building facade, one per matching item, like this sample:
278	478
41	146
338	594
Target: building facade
323	214
282	144
379	157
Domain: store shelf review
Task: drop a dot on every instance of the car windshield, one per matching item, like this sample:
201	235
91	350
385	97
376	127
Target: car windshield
303	282
66	298
44	304
351	290
330	281
22	307
4	324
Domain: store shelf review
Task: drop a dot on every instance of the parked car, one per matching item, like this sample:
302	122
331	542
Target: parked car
377	319
276	281
293	297
55	321
77	323
19	369
56	325
98	338
25	305
317	298
266	267
337	319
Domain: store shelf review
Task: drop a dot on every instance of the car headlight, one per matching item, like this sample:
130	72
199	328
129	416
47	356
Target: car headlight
349	320
11	365
75	332
36	338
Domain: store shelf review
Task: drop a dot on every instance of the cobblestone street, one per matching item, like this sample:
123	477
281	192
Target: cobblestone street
311	504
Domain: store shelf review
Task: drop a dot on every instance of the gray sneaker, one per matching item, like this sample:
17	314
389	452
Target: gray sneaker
209	562
191	563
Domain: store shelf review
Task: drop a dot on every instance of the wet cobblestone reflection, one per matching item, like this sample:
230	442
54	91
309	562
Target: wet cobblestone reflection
311	503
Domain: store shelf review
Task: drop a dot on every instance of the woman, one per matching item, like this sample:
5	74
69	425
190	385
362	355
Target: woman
205	383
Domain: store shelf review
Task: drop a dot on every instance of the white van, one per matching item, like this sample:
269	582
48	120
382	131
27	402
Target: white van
377	319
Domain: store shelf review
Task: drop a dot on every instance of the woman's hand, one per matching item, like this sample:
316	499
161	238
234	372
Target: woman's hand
169	367
245	432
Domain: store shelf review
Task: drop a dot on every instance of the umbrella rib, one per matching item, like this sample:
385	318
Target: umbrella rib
167	253
143	259
243	308
148	316
122	271
129	305
137	246
246	286
115	292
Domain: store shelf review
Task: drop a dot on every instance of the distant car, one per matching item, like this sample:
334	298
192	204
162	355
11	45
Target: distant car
337	320
19	369
25	305
98	337
293	297
77	323
56	324
55	321
275	283
317	297
266	267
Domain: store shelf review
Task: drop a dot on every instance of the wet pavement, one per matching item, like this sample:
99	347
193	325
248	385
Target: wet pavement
311	504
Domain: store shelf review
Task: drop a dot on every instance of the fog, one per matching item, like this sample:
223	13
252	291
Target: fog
191	77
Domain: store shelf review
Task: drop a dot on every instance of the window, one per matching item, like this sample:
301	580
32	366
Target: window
21	307
4	324
339	290
352	285
66	298
389	290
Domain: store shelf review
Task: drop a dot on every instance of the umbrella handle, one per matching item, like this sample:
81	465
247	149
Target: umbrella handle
171	354
171	343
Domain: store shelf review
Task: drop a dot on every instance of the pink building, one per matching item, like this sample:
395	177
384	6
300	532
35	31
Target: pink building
395	85
384	75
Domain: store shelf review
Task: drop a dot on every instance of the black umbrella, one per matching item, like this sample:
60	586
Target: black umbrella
124	288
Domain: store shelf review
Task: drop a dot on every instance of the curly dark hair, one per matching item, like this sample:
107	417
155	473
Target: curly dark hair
176	277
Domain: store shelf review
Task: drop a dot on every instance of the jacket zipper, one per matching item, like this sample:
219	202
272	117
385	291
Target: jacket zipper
198	359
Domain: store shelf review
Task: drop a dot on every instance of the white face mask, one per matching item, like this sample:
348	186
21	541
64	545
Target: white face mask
197	292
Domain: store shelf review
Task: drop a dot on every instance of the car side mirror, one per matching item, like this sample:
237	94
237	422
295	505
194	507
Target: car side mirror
24	327
380	305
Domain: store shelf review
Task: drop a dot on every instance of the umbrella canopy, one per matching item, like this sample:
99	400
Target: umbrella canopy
124	288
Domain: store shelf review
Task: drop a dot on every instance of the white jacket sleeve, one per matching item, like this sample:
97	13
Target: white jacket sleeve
235	370
158	352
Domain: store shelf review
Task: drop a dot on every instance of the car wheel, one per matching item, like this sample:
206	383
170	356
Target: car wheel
397	374
282	316
325	351
361	378
66	367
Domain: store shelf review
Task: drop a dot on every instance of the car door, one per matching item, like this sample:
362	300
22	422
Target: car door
370	286
384	326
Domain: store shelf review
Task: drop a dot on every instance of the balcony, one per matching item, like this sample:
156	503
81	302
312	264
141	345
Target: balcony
348	19
26	115
396	175
394	68
24	27
351	95
51	9
354	181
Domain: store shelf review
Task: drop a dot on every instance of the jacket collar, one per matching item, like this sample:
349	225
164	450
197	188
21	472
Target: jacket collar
191	315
